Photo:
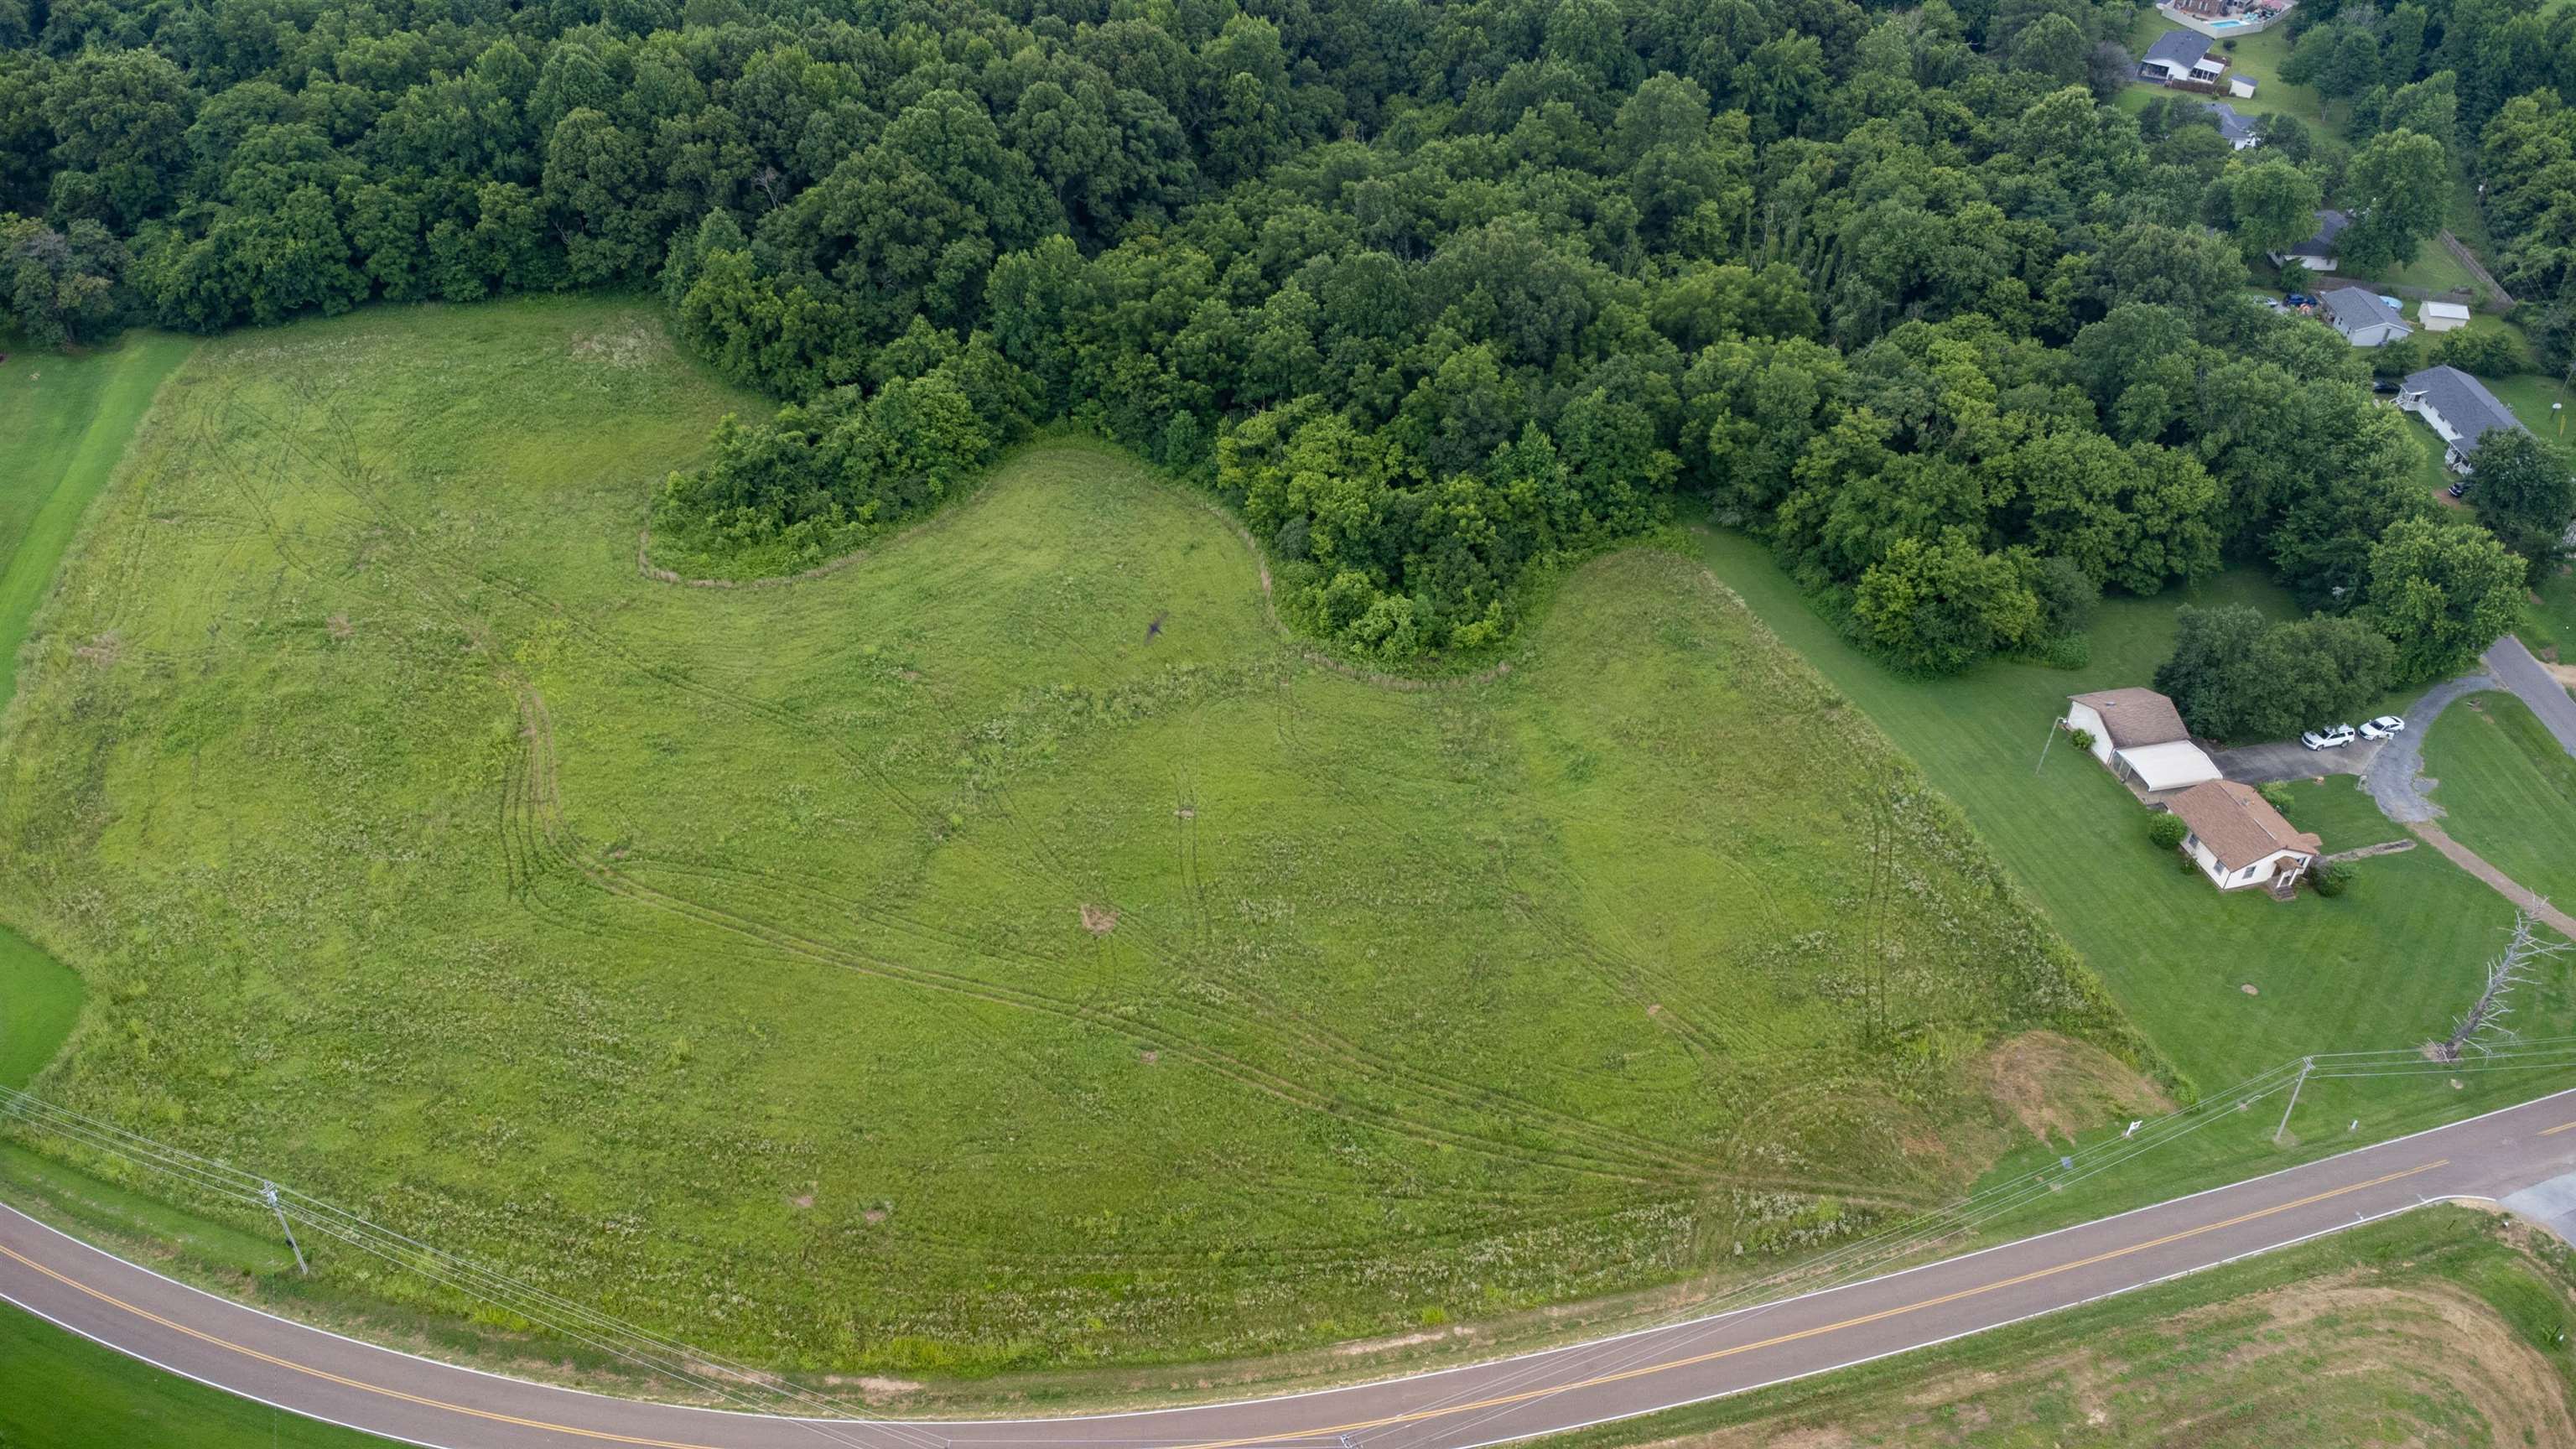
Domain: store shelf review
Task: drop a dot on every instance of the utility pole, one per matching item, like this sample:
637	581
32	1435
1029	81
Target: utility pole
2306	1064
268	1194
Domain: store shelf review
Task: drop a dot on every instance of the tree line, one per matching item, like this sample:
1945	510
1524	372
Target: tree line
1433	294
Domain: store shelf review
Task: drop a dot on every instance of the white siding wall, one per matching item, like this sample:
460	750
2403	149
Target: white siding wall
2085	717
2277	863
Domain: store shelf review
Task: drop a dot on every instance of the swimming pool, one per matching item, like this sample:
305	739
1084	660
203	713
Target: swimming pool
2225	24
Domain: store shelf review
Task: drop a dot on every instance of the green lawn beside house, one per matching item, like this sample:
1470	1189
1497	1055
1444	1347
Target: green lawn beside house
2383	965
2508	789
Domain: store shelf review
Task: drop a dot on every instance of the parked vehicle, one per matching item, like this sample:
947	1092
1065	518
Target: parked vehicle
2274	304
2382	727
2301	299
2384	384
2460	489
2328	739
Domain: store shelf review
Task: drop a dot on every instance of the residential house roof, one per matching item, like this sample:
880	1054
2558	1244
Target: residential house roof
2169	766
2135	716
2239	826
2350	307
2464	403
2237	129
2182	48
2330	224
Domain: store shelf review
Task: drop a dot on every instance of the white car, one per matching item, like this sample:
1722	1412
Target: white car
2329	739
2382	727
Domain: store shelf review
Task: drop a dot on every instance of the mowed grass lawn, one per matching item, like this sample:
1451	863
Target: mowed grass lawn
64	423
1007	950
62	1392
2507	790
2444	1326
2383	965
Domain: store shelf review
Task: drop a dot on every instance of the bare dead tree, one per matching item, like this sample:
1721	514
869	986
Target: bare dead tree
2481	1028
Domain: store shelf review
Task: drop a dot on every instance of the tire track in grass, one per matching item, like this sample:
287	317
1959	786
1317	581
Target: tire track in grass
350	473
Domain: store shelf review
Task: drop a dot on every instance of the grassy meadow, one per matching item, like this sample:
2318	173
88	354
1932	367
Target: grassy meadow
2444	1326
2226	986
1006	950
64	423
2507	791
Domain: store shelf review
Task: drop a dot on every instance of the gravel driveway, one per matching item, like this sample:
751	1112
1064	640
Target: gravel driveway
2395	777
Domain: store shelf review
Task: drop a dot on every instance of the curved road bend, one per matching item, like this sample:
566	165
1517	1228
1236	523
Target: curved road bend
327	1377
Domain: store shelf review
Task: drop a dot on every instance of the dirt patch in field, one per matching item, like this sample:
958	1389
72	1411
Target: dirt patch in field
340	627
1099	920
2055	1086
101	650
631	348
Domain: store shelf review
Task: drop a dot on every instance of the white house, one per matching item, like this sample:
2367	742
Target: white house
2182	55
2139	735
2362	318
2238	840
2317	253
2457	407
2239	130
2442	316
2241	87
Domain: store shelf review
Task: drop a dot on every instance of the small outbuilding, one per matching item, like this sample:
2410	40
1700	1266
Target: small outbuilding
2442	316
2241	87
2238	840
2139	736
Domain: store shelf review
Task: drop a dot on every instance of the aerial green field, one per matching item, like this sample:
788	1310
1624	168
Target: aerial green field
58	1391
2383	965
1007	950
2444	1326
64	423
2508	791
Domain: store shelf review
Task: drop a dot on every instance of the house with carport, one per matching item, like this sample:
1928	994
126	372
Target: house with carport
2139	736
2239	841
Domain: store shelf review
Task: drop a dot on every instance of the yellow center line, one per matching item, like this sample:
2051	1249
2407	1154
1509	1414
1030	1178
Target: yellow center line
2561	1127
1415	1416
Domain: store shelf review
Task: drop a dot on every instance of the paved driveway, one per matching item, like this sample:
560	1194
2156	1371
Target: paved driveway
2515	669
2290	760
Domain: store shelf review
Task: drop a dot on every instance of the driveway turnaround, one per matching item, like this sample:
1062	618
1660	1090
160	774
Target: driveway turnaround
222	1343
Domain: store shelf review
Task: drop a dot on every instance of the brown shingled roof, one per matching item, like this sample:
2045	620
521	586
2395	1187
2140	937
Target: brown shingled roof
2136	716
2239	826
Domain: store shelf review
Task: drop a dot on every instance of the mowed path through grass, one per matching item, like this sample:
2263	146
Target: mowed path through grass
64	423
1007	950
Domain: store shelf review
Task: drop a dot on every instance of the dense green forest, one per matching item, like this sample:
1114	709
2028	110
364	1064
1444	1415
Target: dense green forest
1431	293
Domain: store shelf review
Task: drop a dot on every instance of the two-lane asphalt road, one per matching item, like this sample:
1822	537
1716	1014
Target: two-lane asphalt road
269	1359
